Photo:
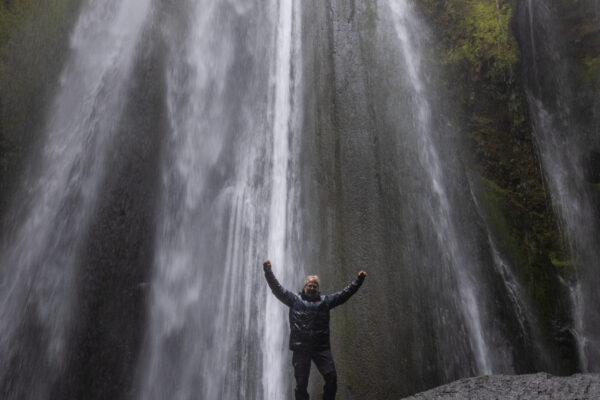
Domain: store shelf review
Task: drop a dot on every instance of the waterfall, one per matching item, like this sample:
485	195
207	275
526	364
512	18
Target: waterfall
523	312
440	213
54	206
283	194
459	265
562	146
313	134
215	331
440	207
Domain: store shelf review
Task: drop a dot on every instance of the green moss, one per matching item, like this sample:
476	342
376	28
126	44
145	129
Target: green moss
475	36
484	45
561	263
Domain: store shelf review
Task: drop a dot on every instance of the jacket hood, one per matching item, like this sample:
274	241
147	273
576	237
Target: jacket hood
306	297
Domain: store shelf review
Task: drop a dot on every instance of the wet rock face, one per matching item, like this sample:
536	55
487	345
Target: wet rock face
591	166
535	386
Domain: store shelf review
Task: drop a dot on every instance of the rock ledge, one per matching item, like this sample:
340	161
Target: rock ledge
522	387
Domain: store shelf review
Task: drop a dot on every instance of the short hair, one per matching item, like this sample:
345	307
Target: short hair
312	278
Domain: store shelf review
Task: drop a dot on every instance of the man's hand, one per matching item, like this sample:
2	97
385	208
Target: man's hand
362	274
266	265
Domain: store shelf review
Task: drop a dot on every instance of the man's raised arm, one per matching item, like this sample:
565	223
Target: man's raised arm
284	295
343	295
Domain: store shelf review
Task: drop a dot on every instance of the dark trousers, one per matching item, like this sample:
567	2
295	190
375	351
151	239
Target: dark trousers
324	362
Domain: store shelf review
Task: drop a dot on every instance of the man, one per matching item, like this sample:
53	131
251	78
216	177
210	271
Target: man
309	328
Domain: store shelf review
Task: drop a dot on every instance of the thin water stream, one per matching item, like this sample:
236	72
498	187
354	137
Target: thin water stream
562	145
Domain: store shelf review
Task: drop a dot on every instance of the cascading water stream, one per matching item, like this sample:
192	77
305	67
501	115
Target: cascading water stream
440	207
226	201
283	192
561	145
52	211
524	314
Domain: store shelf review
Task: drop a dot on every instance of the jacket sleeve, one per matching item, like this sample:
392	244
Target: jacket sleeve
342	296
284	295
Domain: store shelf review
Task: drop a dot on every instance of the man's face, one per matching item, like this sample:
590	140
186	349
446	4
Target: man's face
311	287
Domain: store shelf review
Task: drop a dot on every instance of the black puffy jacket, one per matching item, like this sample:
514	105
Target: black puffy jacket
309	318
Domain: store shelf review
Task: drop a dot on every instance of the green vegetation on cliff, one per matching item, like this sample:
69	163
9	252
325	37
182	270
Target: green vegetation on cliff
33	42
484	48
481	58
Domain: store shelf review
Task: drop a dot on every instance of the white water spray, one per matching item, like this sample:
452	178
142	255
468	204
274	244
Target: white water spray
441	216
225	201
282	197
40	256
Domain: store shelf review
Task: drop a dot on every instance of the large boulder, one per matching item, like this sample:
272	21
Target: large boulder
523	387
